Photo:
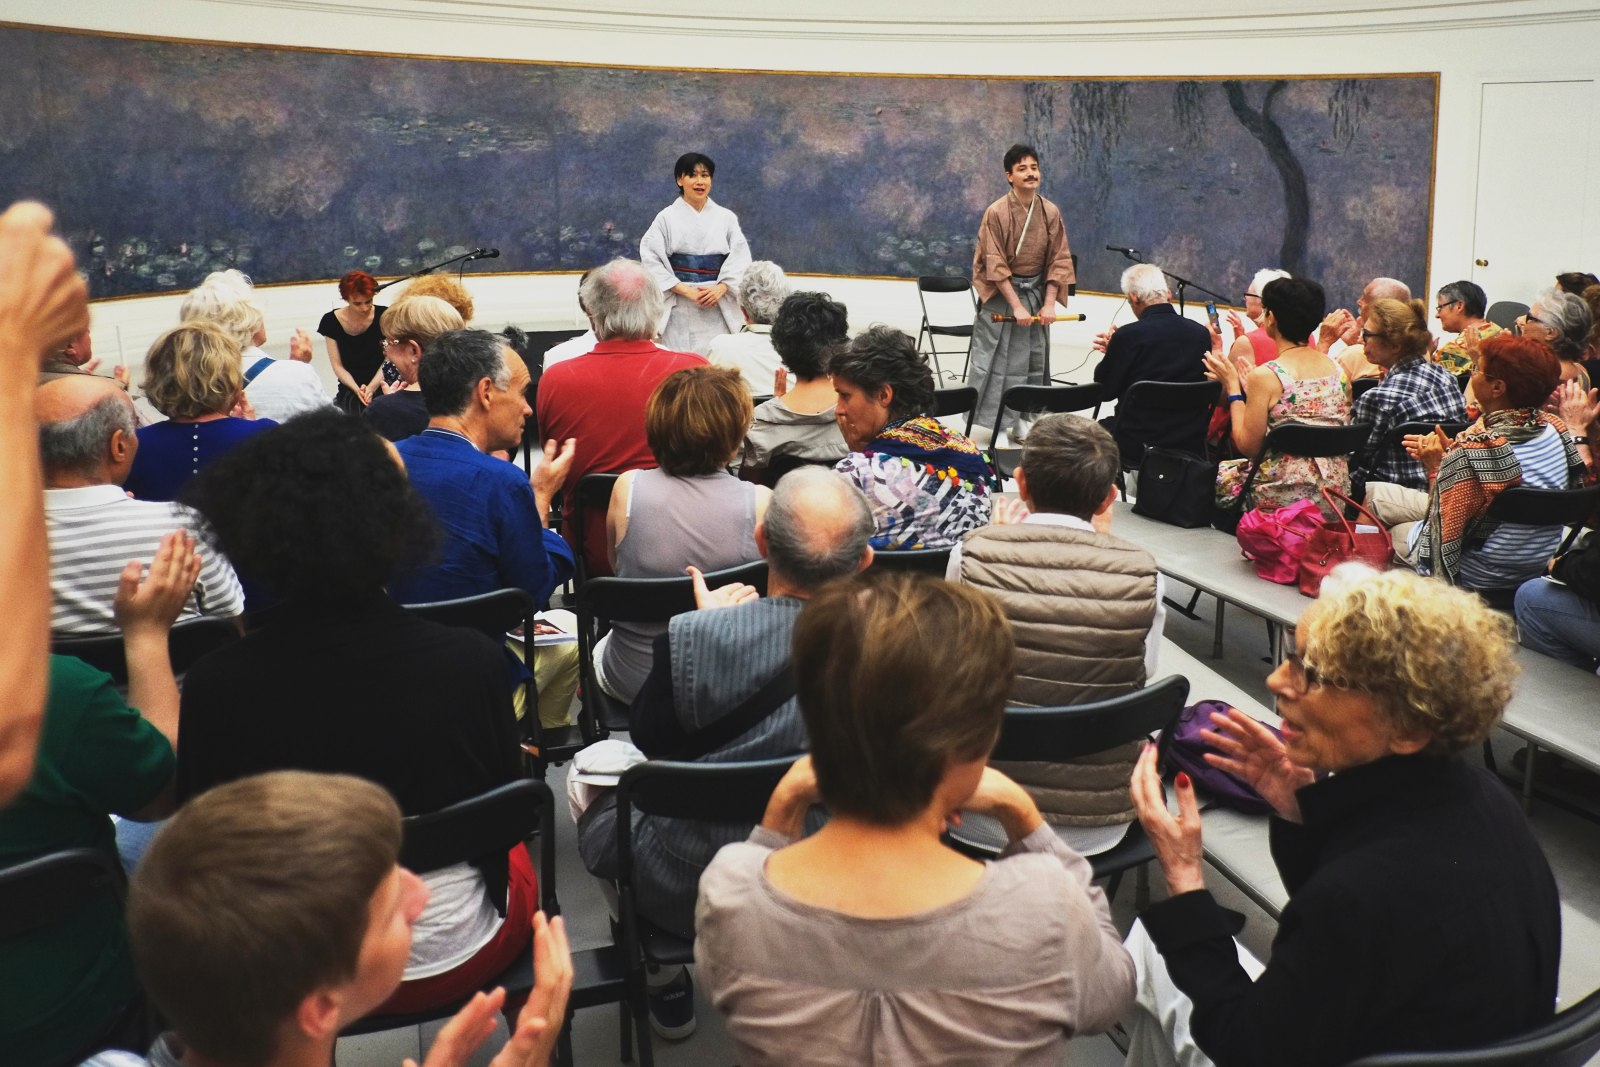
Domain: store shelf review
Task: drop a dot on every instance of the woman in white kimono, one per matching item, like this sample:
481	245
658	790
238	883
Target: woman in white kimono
696	252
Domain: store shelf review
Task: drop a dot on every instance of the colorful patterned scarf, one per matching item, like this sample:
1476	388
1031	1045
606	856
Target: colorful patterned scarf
942	452
1478	467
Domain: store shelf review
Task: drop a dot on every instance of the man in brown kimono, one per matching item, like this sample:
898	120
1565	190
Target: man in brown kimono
1021	267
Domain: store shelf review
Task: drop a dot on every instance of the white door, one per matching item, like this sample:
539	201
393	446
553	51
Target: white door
1531	192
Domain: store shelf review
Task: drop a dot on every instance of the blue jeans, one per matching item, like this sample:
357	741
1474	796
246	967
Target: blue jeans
1554	620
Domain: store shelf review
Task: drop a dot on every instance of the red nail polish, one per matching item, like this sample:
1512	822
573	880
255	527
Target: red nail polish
1183	781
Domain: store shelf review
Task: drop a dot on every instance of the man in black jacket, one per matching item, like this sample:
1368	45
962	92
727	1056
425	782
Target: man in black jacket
1162	346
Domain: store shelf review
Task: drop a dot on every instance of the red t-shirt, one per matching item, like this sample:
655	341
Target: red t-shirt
599	399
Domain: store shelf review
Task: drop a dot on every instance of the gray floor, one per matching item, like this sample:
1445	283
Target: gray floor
1571	840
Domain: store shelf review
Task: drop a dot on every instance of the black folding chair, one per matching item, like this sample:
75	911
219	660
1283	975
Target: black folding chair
592	493
934	561
1417	429
188	641
1296	439
1360	386
1058	735
1039	400
489	825
956	400
54	889
1540	507
1505	313
941	284
705	792
1571	1039
497	614
603	601
1189	403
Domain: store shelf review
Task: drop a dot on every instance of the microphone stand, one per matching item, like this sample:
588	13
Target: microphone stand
1185	283
462	259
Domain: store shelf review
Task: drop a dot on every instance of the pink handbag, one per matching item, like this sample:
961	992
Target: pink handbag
1276	539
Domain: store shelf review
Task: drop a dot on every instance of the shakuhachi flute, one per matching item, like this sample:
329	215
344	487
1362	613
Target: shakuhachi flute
1059	318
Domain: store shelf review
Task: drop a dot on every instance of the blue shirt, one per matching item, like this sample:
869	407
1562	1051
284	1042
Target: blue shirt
493	538
170	453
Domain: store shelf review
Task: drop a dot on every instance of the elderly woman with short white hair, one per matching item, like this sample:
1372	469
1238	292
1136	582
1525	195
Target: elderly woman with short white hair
762	290
277	389
1251	345
1561	321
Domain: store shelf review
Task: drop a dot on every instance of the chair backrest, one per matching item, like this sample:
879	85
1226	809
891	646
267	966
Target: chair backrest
1083	729
42	892
1504	313
941	283
487	825
592	492
655	599
1417	429
1361	386
495	613
783	464
1304	439
1545	507
188	641
1039	399
934	561
1174	396
1569	1040
956	400
708	792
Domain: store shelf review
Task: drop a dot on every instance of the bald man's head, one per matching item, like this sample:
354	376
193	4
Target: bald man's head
1383	289
86	430
816	528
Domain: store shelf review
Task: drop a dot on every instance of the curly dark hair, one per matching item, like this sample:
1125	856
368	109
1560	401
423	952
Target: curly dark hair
884	356
807	325
316	509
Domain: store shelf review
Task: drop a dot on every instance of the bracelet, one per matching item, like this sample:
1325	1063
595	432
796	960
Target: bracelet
1235	396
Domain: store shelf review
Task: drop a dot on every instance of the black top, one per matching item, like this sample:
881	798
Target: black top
1421	915
1162	346
398	415
362	353
363	688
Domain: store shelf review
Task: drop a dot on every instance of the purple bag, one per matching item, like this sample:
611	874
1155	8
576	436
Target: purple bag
1276	539
1185	750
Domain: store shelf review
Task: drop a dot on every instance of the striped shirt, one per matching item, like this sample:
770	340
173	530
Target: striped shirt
1516	552
94	531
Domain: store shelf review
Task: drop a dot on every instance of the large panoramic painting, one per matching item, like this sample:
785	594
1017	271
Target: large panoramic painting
167	160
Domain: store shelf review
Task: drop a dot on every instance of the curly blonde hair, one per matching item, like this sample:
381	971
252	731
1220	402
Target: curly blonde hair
1432	657
445	288
193	370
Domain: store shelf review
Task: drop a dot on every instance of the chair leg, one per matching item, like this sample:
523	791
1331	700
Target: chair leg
1112	886
1488	757
625	1028
1527	778
1216	637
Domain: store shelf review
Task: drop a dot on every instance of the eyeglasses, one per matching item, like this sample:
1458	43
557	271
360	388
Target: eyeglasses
1367	335
1446	304
1302	675
1252	296
1523	322
387	341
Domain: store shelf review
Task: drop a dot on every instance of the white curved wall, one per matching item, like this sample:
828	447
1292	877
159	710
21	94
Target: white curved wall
1468	43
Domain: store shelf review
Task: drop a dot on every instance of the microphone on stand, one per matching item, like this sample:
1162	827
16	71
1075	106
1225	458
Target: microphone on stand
1131	253
484	253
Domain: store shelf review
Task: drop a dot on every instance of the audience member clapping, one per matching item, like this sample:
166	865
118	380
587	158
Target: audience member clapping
341	678
1412	390
926	483
1460	307
1300	385
1563	322
1447	531
192	376
688	511
277	389
1339	334
69	984
1421	913
762	290
1252	345
798	424
912	951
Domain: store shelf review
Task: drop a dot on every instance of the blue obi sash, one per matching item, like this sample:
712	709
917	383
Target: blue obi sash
694	269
